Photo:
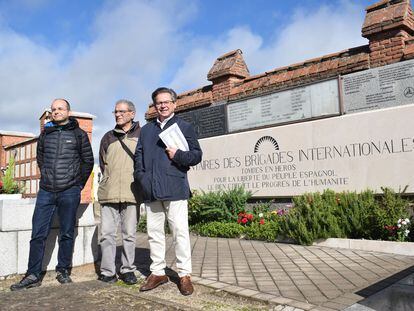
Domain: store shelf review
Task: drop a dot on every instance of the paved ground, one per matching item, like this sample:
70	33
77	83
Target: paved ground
398	297
261	276
304	277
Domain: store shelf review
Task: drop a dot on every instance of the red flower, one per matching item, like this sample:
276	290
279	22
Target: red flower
244	220
238	220
262	221
392	230
1	184
249	217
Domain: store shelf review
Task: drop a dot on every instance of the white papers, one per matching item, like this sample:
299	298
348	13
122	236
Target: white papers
174	138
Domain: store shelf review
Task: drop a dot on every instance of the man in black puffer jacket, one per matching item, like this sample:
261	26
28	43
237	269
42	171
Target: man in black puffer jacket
65	160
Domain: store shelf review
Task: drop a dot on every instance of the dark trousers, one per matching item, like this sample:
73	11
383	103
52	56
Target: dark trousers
66	202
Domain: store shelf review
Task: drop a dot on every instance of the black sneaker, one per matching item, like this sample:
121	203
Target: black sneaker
128	278
63	277
108	279
28	281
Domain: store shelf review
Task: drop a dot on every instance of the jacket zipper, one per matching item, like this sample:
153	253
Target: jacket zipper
56	157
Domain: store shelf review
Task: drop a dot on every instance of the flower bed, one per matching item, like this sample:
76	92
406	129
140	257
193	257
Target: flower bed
310	217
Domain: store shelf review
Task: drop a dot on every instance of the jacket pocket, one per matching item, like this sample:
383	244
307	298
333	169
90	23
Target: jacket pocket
103	180
174	184
144	181
103	188
175	173
46	176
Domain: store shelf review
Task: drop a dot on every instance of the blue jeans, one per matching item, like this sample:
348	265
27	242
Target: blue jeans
66	202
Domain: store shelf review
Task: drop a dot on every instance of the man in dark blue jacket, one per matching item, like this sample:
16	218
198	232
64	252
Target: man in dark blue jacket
162	174
65	161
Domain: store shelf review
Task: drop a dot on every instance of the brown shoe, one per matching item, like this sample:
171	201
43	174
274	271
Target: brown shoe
186	287
153	281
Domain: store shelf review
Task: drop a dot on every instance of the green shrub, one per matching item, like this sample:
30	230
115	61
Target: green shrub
411	233
219	229
256	231
235	201
346	214
353	212
391	207
142	224
206	207
262	208
9	186
218	206
264	232
313	217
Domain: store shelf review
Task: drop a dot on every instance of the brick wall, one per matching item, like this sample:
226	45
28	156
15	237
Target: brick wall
86	124
26	172
388	25
9	138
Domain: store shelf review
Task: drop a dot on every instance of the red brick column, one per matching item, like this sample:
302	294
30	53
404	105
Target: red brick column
227	70
388	24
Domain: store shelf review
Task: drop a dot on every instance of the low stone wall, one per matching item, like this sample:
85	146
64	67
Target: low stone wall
391	247
16	229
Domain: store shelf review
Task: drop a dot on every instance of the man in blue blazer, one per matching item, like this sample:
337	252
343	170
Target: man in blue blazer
162	175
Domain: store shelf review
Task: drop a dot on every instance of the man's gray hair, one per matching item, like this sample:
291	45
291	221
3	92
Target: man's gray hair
130	104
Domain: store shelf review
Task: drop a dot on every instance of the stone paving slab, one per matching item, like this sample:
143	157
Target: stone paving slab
319	277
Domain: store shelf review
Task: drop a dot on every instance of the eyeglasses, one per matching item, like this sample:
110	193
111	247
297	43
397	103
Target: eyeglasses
165	102
59	109
120	111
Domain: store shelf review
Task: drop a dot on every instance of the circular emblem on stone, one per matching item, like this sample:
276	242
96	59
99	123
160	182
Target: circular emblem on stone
409	92
266	140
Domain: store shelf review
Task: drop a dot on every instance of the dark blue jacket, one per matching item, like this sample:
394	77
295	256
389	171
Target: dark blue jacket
161	178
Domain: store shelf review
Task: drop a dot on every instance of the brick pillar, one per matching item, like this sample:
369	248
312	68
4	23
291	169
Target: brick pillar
387	26
86	124
227	70
44	118
222	87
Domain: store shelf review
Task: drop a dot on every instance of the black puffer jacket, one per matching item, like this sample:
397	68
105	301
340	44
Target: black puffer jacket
64	156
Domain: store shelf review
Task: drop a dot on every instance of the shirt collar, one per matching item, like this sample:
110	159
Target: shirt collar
120	130
163	123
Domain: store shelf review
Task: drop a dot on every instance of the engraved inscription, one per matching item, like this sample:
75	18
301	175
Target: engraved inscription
207	122
387	86
285	106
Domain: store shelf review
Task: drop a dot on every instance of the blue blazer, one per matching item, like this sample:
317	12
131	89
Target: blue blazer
159	177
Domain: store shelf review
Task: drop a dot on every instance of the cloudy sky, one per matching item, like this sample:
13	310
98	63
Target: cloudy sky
95	52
